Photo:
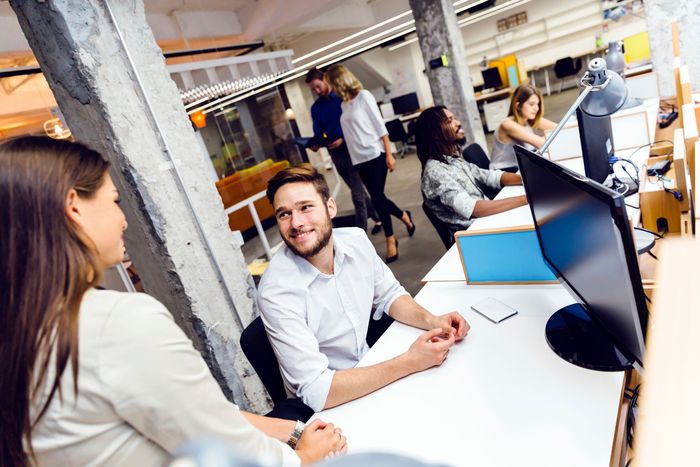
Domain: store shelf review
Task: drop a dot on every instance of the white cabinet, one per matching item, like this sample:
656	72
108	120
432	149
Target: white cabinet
494	112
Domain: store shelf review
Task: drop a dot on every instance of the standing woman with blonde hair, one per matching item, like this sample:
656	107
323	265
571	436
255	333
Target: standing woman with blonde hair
370	150
524	117
98	377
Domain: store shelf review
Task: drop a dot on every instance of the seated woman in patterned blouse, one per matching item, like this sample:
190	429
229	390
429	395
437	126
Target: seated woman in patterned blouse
452	187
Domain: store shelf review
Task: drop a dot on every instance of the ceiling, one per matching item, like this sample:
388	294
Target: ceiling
177	25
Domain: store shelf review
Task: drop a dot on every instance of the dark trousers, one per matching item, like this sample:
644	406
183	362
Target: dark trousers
373	175
360	198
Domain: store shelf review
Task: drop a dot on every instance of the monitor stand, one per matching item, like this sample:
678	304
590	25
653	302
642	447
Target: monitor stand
575	337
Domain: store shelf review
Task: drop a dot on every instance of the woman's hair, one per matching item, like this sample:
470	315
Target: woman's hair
435	138
343	82
46	265
521	94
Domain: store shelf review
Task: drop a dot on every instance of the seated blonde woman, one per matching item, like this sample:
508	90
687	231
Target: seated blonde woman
524	118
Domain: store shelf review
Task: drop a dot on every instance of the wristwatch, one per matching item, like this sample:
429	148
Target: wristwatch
296	434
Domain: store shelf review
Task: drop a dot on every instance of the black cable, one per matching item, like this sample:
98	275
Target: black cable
633	396
630	206
653	255
650	231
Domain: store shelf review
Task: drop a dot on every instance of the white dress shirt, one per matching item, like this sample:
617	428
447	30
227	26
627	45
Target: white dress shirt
363	127
143	391
317	323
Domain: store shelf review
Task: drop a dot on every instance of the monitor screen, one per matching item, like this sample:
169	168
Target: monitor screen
596	145
585	237
405	104
492	78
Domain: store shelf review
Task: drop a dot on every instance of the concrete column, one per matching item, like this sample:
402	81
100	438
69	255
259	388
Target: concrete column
451	86
659	15
178	234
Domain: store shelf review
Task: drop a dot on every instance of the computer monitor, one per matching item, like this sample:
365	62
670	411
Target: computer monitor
586	239
597	147
405	104
492	78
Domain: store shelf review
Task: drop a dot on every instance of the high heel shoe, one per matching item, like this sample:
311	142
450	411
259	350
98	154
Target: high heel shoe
391	259
412	229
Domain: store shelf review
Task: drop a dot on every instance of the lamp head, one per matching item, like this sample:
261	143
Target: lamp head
608	90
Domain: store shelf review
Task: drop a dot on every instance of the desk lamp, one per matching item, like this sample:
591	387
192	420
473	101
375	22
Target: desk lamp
603	93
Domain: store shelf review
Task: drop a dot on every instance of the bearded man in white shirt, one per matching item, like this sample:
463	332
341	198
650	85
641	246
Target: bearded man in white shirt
316	297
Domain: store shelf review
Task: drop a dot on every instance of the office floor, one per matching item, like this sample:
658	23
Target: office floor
419	253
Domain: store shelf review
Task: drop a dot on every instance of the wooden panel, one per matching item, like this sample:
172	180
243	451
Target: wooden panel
655	203
680	166
690	131
675	39
667	423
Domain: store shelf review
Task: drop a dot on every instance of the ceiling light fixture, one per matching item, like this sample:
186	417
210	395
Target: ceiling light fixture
331	57
352	36
471	19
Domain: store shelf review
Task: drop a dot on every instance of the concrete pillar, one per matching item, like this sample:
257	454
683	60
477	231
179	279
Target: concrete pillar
186	256
659	15
451	86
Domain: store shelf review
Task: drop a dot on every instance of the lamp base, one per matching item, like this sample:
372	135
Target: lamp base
575	337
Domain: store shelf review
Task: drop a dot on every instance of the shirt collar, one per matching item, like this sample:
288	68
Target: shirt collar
309	272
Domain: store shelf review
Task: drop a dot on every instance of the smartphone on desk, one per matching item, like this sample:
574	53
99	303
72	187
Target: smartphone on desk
494	310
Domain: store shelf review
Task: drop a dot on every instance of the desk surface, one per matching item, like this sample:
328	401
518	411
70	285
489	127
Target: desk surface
479	96
502	397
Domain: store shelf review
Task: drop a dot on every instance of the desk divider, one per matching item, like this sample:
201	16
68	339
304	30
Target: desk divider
509	255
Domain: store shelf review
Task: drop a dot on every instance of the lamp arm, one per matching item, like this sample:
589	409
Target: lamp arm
565	119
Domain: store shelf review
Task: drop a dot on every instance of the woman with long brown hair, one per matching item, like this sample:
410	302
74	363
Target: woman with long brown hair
370	150
525	116
93	377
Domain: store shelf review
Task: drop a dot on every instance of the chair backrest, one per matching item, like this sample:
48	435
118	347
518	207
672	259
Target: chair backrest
475	154
441	228
396	131
256	346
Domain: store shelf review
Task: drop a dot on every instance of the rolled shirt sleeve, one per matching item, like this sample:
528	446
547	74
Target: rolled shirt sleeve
489	178
304	367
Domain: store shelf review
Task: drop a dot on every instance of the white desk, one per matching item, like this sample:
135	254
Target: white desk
502	397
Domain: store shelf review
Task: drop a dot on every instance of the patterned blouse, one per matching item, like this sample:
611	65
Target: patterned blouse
451	190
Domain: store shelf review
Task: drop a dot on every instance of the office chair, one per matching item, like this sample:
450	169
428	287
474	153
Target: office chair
397	134
441	228
565	67
476	155
257	348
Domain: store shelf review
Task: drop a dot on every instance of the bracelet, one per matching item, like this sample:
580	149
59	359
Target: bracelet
296	434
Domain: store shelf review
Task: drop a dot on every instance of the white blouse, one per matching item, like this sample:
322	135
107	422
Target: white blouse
144	390
363	127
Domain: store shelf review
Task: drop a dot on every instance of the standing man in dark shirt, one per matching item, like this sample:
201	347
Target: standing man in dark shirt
325	113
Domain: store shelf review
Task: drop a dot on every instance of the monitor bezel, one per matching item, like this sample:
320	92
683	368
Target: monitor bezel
616	203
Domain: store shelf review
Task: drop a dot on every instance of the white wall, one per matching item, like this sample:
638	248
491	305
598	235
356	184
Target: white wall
555	29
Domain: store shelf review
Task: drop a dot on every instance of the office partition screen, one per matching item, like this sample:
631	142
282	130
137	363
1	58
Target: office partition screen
585	236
